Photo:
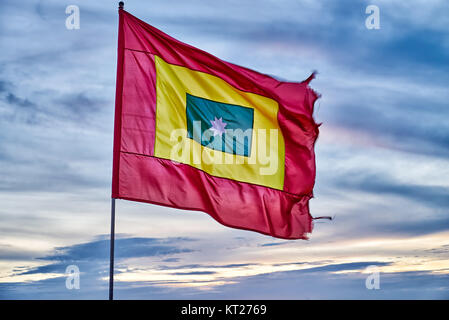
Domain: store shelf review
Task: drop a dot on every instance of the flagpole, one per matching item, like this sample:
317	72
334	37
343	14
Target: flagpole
111	262
121	5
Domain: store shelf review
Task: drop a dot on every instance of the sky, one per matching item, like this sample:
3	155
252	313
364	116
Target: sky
382	155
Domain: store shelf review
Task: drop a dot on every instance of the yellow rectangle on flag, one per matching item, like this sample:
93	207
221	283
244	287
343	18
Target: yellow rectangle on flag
263	166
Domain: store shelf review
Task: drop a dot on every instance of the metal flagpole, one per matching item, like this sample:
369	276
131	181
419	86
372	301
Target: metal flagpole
121	5
111	263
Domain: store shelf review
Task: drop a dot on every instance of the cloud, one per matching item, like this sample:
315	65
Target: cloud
414	126
80	103
312	283
374	202
14	100
91	253
194	273
206	266
270	244
321	285
92	259
434	196
345	266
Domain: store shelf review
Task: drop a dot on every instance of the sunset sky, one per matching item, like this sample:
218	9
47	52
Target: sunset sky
382	154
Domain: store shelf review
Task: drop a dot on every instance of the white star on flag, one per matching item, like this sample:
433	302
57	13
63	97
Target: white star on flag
218	126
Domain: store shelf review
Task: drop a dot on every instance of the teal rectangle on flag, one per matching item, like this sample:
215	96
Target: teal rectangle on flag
220	126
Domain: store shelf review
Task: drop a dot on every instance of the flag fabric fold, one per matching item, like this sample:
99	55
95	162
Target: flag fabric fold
198	133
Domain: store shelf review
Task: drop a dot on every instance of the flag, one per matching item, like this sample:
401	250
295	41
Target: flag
198	133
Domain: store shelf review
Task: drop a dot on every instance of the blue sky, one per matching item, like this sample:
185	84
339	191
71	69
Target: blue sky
382	154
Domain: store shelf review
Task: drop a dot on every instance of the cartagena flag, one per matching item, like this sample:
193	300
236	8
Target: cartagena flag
198	133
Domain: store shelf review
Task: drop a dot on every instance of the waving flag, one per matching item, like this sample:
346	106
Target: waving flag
195	132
